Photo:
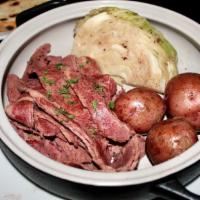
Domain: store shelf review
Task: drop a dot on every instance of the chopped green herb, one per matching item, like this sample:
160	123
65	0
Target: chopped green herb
92	131
99	88
111	105
48	94
94	104
59	66
61	121
46	71
87	61
63	90
47	81
71	102
70	116
62	111
72	81
81	65
66	96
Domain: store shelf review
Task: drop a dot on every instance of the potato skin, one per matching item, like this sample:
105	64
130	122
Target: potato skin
182	96
168	139
140	108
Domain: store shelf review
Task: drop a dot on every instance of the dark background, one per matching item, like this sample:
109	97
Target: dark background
189	8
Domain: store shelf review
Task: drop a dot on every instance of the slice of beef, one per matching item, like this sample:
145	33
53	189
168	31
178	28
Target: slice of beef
58	90
50	108
71	71
50	127
82	66
20	126
51	70
37	60
13	83
35	84
131	152
22	111
44	126
108	83
105	86
88	66
58	149
75	155
108	123
123	157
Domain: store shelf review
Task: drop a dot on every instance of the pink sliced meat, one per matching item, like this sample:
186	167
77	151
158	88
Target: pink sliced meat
50	108
108	123
105	86
82	66
45	127
34	84
123	157
88	66
22	111
13	83
37	60
58	130
131	152
58	150
61	108
75	155
108	83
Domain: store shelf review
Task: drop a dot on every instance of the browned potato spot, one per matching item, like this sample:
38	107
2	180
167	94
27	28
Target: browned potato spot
140	108
168	139
182	97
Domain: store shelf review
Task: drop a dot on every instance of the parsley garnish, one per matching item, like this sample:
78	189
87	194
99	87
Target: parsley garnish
72	81
63	90
64	112
59	66
61	111
48	94
47	81
94	104
81	65
71	102
111	105
46	71
66	96
70	116
99	88
92	131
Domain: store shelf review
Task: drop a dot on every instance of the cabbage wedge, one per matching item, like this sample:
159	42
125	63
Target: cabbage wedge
127	47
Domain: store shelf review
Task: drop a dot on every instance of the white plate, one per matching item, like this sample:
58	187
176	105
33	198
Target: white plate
56	27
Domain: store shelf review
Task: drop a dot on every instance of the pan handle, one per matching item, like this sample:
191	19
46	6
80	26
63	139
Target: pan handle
32	12
174	190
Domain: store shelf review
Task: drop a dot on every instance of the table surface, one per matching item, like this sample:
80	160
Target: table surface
14	186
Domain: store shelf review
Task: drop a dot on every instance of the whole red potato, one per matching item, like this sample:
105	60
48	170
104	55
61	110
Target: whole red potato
140	108
168	139
182	96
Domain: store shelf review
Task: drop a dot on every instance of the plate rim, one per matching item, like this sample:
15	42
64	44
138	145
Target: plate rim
54	168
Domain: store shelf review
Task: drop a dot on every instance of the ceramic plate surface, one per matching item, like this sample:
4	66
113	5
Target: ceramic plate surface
56	27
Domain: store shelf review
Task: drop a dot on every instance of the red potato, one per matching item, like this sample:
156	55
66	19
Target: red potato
168	139
182	97
140	108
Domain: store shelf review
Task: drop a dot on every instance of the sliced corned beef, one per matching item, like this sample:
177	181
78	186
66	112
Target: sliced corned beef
61	107
13	83
108	123
22	111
